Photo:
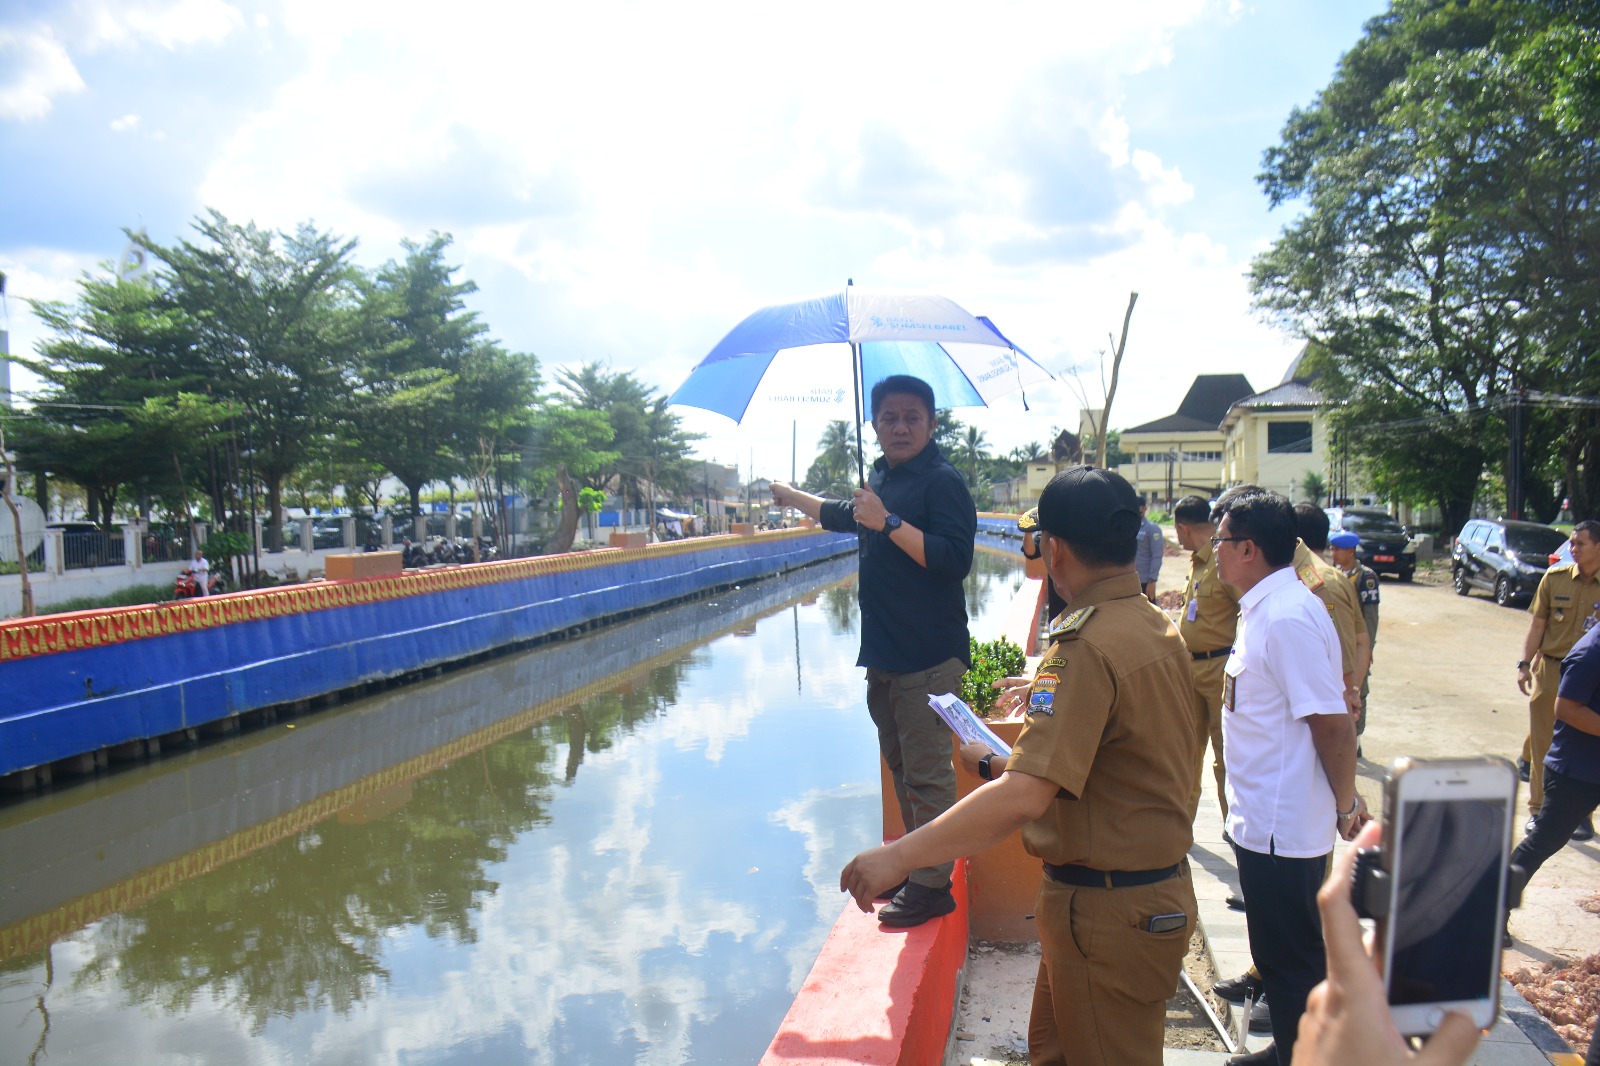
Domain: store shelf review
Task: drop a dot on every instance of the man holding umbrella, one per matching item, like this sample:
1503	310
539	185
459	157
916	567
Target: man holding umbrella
916	521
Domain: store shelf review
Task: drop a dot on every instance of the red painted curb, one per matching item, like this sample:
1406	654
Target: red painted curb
876	996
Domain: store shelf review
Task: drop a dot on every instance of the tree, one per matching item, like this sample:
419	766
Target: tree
1445	262
832	472
276	332
570	443
122	344
432	387
1315	487
651	448
971	452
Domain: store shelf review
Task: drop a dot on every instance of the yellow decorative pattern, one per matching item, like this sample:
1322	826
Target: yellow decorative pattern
32	637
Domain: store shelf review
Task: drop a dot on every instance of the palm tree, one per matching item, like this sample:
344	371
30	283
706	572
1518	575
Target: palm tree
835	464
973	451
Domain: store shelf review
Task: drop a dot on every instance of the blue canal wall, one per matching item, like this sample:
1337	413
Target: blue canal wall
75	684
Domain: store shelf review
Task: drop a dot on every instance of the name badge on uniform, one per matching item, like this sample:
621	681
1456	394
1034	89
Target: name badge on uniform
1227	692
1043	697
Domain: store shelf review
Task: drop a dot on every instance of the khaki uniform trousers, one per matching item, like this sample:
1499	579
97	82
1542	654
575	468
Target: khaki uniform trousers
1104	980
1208	675
1541	726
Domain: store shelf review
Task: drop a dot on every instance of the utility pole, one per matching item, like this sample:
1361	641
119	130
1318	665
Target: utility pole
1514	458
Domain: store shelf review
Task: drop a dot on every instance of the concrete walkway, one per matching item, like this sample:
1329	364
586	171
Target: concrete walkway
1520	1036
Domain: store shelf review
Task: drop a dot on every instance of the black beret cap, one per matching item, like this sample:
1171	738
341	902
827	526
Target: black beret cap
1089	505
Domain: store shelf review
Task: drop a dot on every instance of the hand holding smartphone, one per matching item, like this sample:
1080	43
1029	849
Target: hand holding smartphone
1446	850
1347	1016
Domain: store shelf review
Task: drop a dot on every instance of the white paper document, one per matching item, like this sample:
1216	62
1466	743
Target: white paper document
966	723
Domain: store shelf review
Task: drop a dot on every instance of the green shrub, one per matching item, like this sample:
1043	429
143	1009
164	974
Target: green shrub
990	662
132	596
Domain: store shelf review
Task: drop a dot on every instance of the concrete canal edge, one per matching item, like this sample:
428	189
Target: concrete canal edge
85	687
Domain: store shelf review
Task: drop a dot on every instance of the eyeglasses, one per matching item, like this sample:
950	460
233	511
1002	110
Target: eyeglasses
1218	540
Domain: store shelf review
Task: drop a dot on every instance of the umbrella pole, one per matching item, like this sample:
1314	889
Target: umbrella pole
855	380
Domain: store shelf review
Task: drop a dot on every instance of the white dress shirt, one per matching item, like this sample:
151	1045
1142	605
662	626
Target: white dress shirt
1284	667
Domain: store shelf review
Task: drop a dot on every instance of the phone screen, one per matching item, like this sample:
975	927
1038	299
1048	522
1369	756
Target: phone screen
1446	923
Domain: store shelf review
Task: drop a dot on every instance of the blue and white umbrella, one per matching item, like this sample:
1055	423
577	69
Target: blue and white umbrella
781	353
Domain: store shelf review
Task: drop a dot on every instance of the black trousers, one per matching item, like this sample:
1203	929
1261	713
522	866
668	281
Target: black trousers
1280	896
1567	802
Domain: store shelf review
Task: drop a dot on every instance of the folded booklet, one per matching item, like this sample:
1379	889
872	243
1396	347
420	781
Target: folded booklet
965	723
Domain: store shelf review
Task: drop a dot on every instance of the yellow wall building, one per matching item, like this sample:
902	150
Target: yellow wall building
1182	454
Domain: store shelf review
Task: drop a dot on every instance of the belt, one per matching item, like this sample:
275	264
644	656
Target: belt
1087	877
1219	653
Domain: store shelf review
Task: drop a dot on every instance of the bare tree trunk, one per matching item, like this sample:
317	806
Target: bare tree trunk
567	528
1111	393
16	524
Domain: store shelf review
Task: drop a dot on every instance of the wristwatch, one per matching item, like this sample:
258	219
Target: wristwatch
1523	664
891	523
985	767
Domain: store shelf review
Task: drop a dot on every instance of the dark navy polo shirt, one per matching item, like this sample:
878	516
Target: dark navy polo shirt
913	618
1572	751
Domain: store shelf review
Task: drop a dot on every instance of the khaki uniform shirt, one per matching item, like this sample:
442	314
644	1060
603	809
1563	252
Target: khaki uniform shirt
1110	722
1211	613
1569	603
1328	583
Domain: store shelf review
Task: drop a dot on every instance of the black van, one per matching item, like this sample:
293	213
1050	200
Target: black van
1503	557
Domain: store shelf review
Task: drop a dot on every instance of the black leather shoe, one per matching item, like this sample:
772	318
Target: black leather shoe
1260	1017
1522	769
1585	830
1234	902
1267	1056
1238	989
892	891
916	904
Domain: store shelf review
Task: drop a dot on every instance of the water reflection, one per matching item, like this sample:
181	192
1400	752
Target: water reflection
481	900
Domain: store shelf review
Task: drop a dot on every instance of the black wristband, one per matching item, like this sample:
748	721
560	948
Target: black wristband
985	769
1523	664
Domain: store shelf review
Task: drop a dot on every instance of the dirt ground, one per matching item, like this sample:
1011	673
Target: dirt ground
1443	684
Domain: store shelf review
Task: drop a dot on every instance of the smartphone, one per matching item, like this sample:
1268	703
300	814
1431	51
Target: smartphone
1447	849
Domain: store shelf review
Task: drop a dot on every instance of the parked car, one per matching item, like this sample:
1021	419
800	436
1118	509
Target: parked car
1504	557
1564	555
1385	544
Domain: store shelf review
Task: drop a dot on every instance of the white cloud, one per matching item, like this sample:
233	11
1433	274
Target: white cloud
170	25
627	182
37	70
125	123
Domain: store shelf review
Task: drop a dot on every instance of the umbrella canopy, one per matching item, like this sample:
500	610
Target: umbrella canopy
964	358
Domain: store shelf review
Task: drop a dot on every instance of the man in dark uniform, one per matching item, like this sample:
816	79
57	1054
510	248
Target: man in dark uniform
917	522
1099	782
1342	546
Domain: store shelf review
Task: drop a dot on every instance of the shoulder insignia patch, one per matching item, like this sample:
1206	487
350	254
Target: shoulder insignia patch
1309	577
1042	695
1052	663
1071	624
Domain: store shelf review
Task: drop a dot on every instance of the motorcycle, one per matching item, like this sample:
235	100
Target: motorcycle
186	587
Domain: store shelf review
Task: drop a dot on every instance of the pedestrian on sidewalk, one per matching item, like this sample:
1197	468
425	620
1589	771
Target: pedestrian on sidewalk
1210	616
1565	606
1099	783
1572	765
1289	744
916	523
1152	548
1342	546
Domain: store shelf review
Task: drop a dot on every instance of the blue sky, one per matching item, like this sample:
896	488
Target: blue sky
625	182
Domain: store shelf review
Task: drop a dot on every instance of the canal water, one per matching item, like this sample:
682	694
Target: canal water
622	848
